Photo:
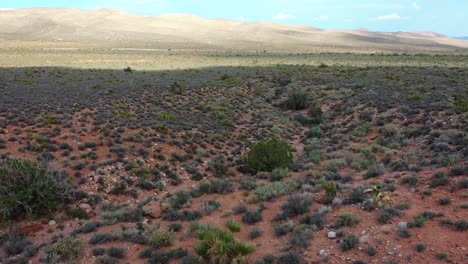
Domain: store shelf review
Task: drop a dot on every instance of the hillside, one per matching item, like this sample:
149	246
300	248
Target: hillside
117	29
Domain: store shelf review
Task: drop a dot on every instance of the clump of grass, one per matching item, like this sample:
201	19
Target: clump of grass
158	237
64	250
346	219
233	226
219	246
31	189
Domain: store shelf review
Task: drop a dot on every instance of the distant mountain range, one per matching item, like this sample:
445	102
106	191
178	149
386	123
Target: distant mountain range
106	28
463	38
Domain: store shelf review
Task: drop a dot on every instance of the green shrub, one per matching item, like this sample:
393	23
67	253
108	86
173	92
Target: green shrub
420	247
267	155
374	171
65	250
349	242
255	232
101	238
297	100
158	237
116	252
233	226
275	189
219	246
371	251
346	219
31	189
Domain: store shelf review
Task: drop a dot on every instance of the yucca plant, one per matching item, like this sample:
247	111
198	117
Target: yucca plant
219	246
30	188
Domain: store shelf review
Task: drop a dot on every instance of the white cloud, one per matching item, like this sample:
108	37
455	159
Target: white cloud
283	16
6	9
415	5
393	16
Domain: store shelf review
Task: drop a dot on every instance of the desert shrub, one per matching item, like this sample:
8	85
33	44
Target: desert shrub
314	132
356	196
267	155
374	171
87	228
255	233
420	247
283	229
315	113
221	186
116	252
247	182
371	251
14	242
233	226
252	217
76	212
275	189
300	238
444	201
387	213
158	237
239	209
106	260
297	100
410	180
330	191
101	238
31	189
64	250
279	174
317	220
436	182
295	204
346	219
98	251
210	206
290	257
463	183
179	199
219	246
218	166
441	256
348	242
419	220
460	225
176	227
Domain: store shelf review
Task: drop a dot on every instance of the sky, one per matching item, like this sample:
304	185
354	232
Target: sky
449	17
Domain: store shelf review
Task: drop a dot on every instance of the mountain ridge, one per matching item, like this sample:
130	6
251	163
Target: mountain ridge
119	29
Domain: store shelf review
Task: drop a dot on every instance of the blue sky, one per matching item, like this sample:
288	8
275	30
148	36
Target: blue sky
449	17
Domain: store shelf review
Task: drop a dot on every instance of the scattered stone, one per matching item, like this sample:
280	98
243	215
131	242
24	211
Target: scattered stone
386	229
402	225
52	222
322	251
364	239
331	234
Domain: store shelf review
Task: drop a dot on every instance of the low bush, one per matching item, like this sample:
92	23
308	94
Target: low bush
348	242
64	250
346	219
31	189
374	171
387	213
296	204
267	155
158	237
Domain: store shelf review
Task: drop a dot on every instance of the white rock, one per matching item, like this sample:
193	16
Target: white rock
322	251
52	222
331	234
402	225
